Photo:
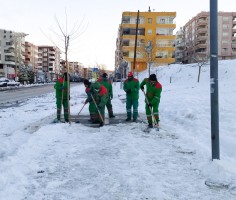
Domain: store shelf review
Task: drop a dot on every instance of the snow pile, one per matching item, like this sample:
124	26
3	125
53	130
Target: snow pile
40	160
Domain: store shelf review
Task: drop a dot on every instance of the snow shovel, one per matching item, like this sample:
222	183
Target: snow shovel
80	112
153	117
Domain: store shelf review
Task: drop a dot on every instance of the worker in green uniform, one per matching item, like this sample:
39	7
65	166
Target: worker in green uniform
92	107
107	83
152	100
62	87
131	87
99	95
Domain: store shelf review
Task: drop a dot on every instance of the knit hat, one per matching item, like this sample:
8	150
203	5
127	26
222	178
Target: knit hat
153	77
130	74
86	82
104	75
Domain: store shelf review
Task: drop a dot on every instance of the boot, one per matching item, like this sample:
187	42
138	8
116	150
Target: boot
128	119
101	124
150	126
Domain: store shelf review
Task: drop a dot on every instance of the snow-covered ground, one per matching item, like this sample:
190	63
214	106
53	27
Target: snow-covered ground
40	161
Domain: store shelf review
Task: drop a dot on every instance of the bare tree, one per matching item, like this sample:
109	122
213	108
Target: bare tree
64	40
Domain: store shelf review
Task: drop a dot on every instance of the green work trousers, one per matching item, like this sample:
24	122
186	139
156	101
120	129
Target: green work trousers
129	104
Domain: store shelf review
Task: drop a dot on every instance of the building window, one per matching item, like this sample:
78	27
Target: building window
45	49
45	59
149	20
162	21
149	32
225	34
225	18
225	26
45	54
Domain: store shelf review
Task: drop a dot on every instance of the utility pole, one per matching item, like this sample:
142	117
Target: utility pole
214	79
136	37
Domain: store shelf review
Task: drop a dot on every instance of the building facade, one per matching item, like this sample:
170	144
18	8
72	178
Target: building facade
31	56
49	62
12	48
197	37
155	40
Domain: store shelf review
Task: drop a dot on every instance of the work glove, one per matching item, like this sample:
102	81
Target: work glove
111	97
142	88
128	91
86	101
149	105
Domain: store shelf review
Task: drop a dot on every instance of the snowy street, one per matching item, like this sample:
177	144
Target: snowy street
44	161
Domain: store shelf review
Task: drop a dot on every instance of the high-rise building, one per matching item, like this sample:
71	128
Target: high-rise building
197	37
154	44
31	56
12	48
49	61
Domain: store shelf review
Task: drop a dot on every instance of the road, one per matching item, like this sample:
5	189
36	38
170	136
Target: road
23	93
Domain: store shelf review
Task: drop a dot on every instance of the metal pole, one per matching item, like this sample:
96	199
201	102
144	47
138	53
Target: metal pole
214	79
135	44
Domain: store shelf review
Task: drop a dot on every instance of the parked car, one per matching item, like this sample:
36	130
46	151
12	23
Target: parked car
13	83
3	82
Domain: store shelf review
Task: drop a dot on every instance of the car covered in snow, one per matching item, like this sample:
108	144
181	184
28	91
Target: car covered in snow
13	83
3	82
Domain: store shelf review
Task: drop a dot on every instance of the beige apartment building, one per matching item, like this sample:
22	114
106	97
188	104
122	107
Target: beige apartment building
12	48
196	38
48	62
31	56
155	40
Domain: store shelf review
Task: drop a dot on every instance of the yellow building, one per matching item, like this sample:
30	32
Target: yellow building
155	39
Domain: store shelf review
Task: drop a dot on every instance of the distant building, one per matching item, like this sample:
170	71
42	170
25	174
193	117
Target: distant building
12	48
155	40
49	61
31	56
197	37
179	46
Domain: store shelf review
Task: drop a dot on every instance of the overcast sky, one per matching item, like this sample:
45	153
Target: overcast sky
98	22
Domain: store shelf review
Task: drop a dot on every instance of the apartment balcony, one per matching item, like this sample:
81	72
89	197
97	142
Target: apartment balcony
201	53
201	38
165	60
233	45
202	30
9	53
201	45
51	57
10	62
234	30
201	22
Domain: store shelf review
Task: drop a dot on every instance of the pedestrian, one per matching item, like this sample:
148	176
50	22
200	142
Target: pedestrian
131	87
62	99
107	83
99	96
152	100
92	107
